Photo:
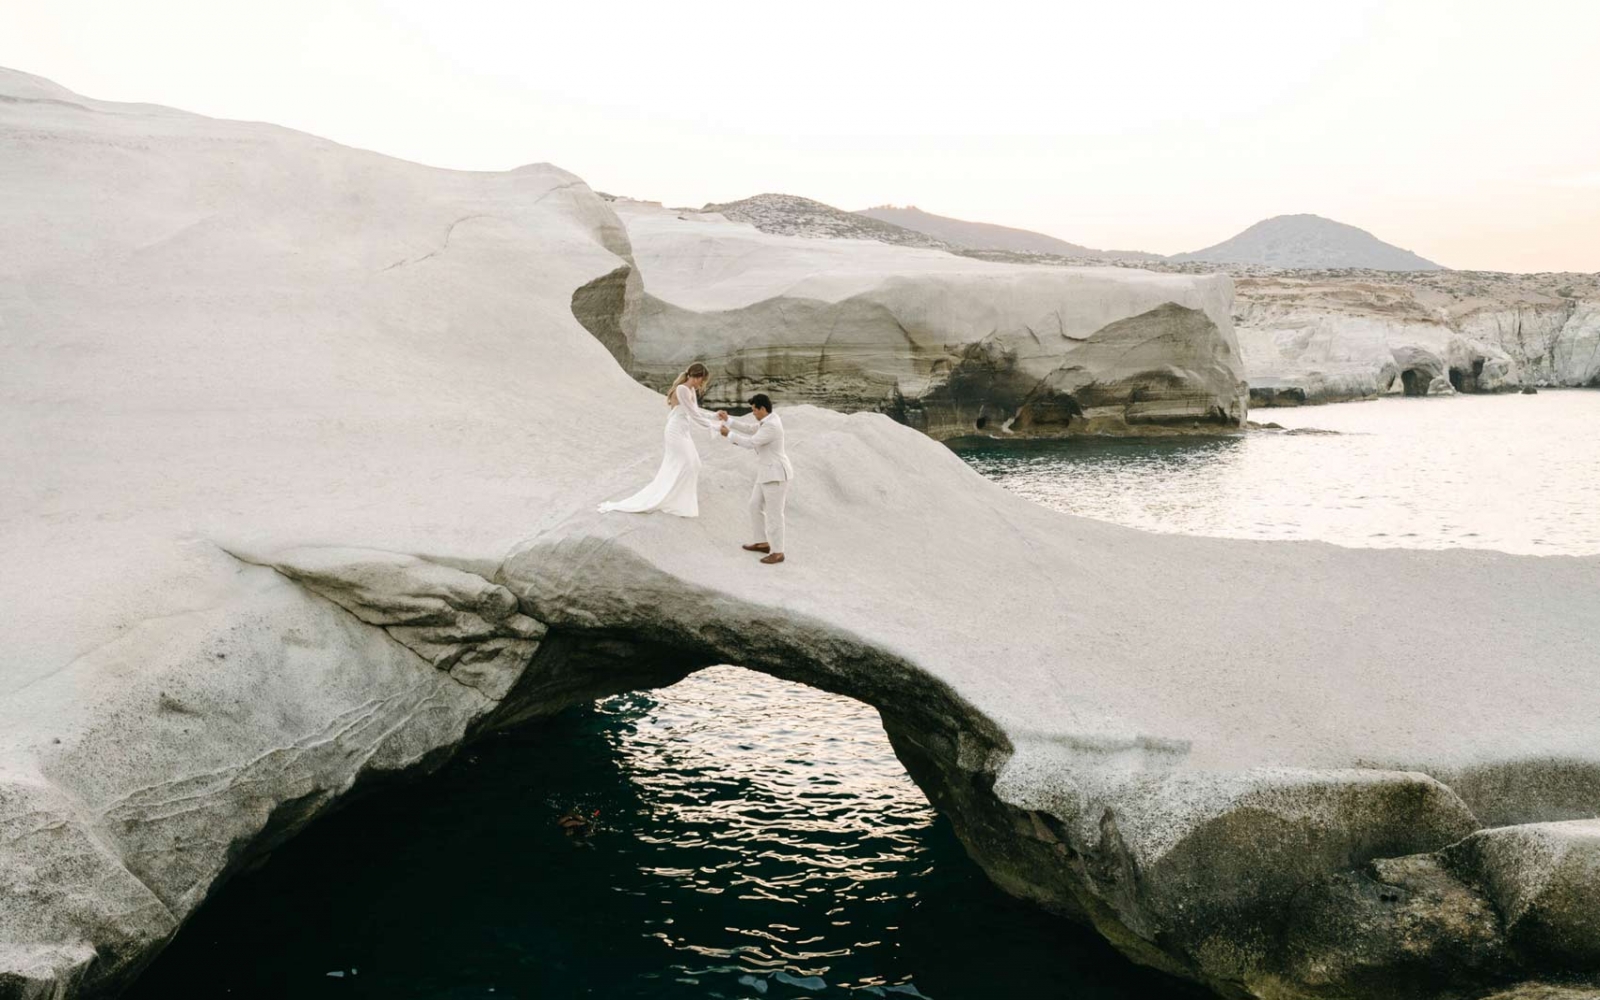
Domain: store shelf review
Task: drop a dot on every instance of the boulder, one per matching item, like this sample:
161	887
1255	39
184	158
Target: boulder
1545	880
950	345
306	445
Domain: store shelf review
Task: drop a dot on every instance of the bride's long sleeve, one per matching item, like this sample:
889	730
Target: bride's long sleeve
692	410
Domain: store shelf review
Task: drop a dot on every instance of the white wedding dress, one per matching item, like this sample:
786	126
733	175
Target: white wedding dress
676	487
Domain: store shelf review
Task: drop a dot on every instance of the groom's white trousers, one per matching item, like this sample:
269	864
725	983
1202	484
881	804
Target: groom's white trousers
766	512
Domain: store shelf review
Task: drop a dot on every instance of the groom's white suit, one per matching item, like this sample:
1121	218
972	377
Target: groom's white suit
773	473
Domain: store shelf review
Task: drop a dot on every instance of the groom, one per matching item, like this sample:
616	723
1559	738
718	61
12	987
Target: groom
773	472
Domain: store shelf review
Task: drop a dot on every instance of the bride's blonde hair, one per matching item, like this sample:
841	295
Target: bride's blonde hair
696	370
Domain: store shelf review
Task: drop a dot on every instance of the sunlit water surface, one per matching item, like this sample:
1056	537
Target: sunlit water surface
754	838
1510	472
758	839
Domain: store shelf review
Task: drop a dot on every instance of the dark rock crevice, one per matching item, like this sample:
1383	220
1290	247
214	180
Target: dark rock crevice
1415	381
1466	379
608	307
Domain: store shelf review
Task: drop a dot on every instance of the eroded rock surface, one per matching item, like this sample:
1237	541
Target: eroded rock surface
1400	926
459	622
1308	332
1545	880
950	345
299	431
1326	338
272	414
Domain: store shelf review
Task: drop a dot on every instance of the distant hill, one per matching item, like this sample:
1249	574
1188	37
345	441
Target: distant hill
1286	241
988	236
975	235
1309	241
791	215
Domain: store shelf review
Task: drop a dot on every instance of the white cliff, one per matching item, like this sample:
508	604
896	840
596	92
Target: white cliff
226	342
951	345
1324	337
305	444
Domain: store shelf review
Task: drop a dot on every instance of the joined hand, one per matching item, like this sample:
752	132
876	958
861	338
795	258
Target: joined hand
723	430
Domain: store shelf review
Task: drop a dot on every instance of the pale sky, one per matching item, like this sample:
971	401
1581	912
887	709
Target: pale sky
1467	131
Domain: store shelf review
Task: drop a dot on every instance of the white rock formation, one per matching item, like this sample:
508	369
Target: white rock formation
1330	338
291	427
1328	331
1550	342
950	345
225	342
1544	879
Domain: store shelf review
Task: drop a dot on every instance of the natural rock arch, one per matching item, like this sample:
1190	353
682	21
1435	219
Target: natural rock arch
265	560
1239	872
576	615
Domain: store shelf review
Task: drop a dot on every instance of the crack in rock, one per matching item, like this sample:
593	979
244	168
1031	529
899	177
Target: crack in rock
461	623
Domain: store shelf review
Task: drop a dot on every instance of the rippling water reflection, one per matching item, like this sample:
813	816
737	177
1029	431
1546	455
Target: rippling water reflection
806	816
754	839
1511	472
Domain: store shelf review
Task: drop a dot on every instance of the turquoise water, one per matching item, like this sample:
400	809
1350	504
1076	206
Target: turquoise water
759	839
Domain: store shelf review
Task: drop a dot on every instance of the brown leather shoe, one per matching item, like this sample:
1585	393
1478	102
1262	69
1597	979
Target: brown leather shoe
757	547
776	557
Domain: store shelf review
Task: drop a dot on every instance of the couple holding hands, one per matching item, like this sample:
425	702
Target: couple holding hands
676	486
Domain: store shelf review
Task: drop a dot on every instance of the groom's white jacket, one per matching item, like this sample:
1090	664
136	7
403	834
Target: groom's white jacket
766	437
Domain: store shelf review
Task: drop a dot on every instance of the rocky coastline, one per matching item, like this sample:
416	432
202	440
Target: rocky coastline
305	503
1328	336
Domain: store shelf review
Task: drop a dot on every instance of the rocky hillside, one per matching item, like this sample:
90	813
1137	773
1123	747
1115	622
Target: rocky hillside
972	235
1309	241
791	215
987	236
1286	242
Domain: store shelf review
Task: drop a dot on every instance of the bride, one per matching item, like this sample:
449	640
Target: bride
676	487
